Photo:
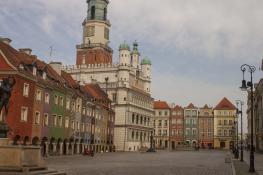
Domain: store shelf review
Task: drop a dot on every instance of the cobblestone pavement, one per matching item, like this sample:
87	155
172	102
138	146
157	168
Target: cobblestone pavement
160	163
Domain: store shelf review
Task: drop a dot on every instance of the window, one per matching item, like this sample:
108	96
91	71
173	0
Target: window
114	97
165	113
160	113
173	121
47	98
93	10
219	122
225	122
82	127
231	133
106	33
24	113
78	126
1	114
194	131
165	123
54	120
44	75
180	132
225	133
37	118
56	99
165	132
60	121
26	90
230	122
160	123
72	124
45	119
159	132
83	111
133	118
68	104
66	123
61	101
219	132
39	95
188	131
34	71
154	123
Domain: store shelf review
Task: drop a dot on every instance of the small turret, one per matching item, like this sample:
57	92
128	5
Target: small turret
125	54
135	55
146	70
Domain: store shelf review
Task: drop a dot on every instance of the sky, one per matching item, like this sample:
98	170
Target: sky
196	46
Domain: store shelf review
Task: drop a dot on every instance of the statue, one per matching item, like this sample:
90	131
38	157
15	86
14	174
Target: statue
6	88
5	93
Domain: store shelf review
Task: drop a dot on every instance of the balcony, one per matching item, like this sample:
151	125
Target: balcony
92	45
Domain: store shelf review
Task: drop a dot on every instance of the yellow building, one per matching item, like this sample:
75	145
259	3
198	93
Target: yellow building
224	124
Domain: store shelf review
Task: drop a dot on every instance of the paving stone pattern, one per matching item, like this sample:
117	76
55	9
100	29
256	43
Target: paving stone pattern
160	163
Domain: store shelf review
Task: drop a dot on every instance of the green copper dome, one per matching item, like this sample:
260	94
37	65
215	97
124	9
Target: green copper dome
146	61
124	46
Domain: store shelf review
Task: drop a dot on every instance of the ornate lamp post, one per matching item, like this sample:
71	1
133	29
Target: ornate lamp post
244	87
237	147
241	115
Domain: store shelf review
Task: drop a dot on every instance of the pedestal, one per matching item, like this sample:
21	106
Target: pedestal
19	155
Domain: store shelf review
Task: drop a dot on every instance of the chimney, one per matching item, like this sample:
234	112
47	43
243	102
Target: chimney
26	50
6	40
57	66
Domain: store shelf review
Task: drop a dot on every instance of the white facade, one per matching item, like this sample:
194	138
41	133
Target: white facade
161	128
128	84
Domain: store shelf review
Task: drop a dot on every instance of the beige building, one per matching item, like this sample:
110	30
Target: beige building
161	124
224	124
128	82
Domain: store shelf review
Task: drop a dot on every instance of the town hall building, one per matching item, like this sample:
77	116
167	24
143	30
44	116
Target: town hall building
127	83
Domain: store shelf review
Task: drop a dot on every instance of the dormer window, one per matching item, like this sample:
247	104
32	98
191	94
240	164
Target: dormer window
44	75
21	66
34	71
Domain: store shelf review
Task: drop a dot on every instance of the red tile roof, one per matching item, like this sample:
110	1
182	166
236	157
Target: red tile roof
160	105
206	107
191	106
225	104
95	91
177	108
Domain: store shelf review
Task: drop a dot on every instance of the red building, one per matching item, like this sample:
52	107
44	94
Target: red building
206	127
20	116
176	126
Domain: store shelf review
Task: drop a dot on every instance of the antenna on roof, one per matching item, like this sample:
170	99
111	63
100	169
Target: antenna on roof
50	51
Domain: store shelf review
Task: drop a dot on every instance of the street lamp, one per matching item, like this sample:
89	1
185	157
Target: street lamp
244	87
237	148
241	115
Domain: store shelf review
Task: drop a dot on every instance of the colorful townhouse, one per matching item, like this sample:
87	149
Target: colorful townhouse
58	113
176	126
191	125
161	124
206	127
224	124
